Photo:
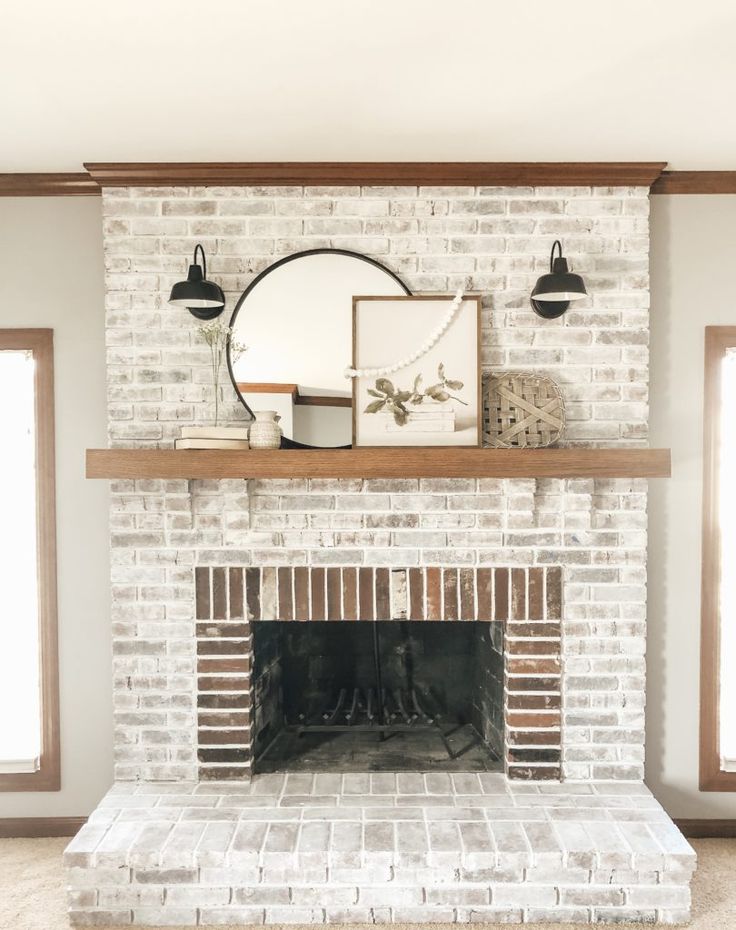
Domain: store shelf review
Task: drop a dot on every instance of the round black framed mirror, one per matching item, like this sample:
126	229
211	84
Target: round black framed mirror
296	320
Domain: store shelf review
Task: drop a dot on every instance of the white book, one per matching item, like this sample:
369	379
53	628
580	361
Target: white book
214	432
432	418
422	426
211	444
431	413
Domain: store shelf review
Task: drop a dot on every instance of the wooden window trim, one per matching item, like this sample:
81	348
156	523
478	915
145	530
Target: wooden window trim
48	775
718	339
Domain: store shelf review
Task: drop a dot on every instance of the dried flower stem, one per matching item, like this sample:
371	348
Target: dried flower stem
218	337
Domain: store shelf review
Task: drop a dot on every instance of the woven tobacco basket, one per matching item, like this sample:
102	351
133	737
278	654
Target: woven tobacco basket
522	411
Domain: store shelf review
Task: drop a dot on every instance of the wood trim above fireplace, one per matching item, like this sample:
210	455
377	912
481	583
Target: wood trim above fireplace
449	174
497	174
45	184
695	182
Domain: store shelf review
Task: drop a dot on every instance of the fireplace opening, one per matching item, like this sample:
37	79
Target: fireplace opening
378	696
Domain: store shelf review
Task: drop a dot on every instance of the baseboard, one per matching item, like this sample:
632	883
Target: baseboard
12	827
700	829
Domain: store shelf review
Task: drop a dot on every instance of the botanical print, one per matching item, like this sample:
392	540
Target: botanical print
397	403
432	400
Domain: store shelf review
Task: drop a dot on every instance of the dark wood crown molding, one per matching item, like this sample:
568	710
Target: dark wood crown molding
500	174
492	174
48	185
695	182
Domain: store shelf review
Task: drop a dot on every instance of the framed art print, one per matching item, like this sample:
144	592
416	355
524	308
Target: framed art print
432	398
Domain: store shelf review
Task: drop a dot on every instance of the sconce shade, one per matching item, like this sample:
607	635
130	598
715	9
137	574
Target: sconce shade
553	291
203	298
559	284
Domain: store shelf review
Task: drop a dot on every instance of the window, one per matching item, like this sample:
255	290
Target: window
29	702
718	593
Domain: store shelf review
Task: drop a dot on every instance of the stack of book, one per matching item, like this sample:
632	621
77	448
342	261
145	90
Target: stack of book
213	437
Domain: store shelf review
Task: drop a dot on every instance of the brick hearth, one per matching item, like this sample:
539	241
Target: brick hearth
405	847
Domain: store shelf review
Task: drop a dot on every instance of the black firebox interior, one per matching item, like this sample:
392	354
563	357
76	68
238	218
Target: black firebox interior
386	696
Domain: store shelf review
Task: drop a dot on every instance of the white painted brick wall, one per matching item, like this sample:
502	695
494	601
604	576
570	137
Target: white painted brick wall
158	378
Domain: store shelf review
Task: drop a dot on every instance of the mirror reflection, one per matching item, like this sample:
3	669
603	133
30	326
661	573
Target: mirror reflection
296	319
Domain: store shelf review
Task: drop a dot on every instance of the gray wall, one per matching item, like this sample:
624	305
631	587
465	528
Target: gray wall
52	276
692	262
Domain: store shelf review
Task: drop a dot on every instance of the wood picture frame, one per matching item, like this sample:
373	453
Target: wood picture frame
417	436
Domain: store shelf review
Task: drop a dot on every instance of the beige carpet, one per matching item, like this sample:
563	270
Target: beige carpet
32	887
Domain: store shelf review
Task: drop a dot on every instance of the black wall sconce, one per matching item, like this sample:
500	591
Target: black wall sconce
554	291
202	298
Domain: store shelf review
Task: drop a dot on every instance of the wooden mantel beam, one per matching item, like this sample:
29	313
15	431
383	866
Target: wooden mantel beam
570	462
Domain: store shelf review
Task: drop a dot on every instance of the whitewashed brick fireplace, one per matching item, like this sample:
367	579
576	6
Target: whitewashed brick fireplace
169	844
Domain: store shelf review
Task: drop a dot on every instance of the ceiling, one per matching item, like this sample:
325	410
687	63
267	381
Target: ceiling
361	80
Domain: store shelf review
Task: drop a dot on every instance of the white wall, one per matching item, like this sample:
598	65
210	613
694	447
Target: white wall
692	261
52	276
365	80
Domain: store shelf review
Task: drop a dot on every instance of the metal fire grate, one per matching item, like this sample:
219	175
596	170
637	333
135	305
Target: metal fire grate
382	711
